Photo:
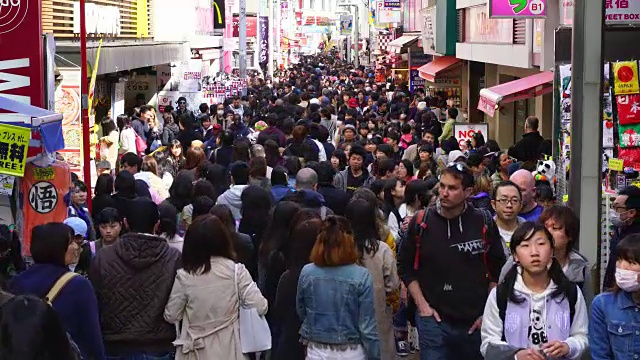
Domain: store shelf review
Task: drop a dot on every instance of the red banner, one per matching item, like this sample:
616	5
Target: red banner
252	26
22	66
628	109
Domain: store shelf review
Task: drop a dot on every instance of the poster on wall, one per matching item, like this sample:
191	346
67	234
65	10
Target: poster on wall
464	132
629	135
190	76
626	77
628	109
346	24
67	103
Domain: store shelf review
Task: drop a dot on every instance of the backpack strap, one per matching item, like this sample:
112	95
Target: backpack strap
488	225
421	224
399	219
58	286
501	301
572	297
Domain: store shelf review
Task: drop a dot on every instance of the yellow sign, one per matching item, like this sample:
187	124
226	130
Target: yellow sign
14	144
94	74
626	77
565	198
142	19
616	164
44	174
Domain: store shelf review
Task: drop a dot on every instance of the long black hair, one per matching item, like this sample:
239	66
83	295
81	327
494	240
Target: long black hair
362	216
277	233
523	233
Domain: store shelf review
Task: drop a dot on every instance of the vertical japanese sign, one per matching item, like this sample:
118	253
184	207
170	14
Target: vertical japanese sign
517	8
264	40
14	141
21	67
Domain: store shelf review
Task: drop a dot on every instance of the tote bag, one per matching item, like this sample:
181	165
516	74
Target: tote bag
255	335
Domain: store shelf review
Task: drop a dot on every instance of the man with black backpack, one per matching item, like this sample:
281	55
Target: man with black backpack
449	261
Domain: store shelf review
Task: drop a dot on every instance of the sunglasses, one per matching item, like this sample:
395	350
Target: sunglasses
182	102
459	167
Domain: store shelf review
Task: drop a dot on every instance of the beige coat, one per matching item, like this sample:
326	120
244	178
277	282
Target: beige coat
384	273
208	307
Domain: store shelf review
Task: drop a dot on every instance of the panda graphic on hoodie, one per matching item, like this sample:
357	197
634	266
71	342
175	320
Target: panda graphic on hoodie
537	334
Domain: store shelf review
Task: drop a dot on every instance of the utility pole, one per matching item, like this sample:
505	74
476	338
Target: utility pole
272	21
586	122
242	35
356	35
84	102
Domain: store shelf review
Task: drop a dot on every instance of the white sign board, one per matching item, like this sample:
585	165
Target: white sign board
99	19
464	132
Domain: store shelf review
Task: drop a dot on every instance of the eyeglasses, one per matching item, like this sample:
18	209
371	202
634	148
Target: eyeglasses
513	201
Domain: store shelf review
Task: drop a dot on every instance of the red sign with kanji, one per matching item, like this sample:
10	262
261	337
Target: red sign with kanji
252	26
628	109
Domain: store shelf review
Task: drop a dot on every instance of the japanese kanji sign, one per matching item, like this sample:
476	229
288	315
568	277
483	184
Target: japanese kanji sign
628	109
629	135
14	141
626	77
517	9
622	11
264	39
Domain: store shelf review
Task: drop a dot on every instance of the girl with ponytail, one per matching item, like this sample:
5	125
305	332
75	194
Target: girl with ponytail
546	313
335	299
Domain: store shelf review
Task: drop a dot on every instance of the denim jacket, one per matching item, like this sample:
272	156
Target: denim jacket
335	305
614	329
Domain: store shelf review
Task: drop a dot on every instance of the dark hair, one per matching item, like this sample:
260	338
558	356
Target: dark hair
145	217
544	193
335	245
342	158
452	113
181	191
202	205
104	184
479	138
195	158
122	121
131	159
303	239
49	243
293	165
223	212
80	185
256	203
108	125
204	188
240	151
358	150
30	329
362	216
633	196
125	184
506	183
523	233
384	165
276	236
218	176
417	190
258	167
206	237
108	215
407	165
628	249
569	220
168	220
279	176
149	164
239	172
272	153
226	138
460	172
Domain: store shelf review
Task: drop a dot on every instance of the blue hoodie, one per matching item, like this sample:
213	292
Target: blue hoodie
76	304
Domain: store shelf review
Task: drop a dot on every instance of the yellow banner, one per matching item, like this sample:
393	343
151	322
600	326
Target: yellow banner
626	77
142	19
94	74
14	143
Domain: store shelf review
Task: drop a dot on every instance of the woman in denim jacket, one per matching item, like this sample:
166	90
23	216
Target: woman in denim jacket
615	315
335	299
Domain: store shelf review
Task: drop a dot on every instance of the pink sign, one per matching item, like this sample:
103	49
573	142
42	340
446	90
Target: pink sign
518	9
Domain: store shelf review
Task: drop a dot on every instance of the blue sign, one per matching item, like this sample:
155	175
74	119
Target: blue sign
415	81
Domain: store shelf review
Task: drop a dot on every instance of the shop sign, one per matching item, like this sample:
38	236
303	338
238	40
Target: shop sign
99	19
429	30
346	24
391	4
626	77
516	9
628	109
204	21
415	81
218	14
616	11
263	54
480	28
487	106
629	135
464	132
447	80
14	142
21	67
252	26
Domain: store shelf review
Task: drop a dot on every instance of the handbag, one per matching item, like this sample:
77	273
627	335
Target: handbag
141	145
255	335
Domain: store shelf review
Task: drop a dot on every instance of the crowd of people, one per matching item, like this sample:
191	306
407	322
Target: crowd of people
342	211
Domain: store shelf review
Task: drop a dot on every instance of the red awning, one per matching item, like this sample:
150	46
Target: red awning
528	87
317	20
440	64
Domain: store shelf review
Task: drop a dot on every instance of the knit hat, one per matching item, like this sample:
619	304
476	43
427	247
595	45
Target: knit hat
260	125
349	127
352	103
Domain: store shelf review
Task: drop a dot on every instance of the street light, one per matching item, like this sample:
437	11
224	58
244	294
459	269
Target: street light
356	30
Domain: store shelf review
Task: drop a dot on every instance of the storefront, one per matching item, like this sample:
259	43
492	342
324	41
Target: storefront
443	81
400	51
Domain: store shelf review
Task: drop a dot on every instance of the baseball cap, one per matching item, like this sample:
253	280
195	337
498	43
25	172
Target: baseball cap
455	155
78	225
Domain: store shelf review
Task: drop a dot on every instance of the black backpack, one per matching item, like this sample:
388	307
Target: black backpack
502	298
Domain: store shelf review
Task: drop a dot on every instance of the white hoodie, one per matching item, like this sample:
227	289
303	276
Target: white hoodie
492	326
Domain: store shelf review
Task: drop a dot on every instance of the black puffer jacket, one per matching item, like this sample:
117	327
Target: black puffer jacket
133	280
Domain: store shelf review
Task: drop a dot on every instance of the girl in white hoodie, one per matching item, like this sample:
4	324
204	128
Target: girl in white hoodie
546	315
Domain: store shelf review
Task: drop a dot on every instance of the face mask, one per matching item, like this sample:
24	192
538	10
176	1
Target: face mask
614	217
627	280
220	112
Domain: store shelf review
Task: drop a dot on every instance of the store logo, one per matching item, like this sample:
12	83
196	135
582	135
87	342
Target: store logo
12	14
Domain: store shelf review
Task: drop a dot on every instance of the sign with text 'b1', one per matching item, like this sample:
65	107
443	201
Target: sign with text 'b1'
21	60
515	9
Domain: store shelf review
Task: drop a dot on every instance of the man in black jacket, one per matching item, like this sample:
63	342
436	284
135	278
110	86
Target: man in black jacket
459	261
133	279
528	148
335	199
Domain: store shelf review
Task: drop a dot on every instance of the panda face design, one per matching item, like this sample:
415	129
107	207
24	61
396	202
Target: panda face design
536	320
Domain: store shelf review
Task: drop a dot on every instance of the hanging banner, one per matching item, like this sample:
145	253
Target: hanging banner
14	141
346	24
263	54
626	77
252	26
628	109
94	74
516	9
218	14
629	135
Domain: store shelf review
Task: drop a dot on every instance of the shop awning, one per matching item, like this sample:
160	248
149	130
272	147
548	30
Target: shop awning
438	65
403	41
528	87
